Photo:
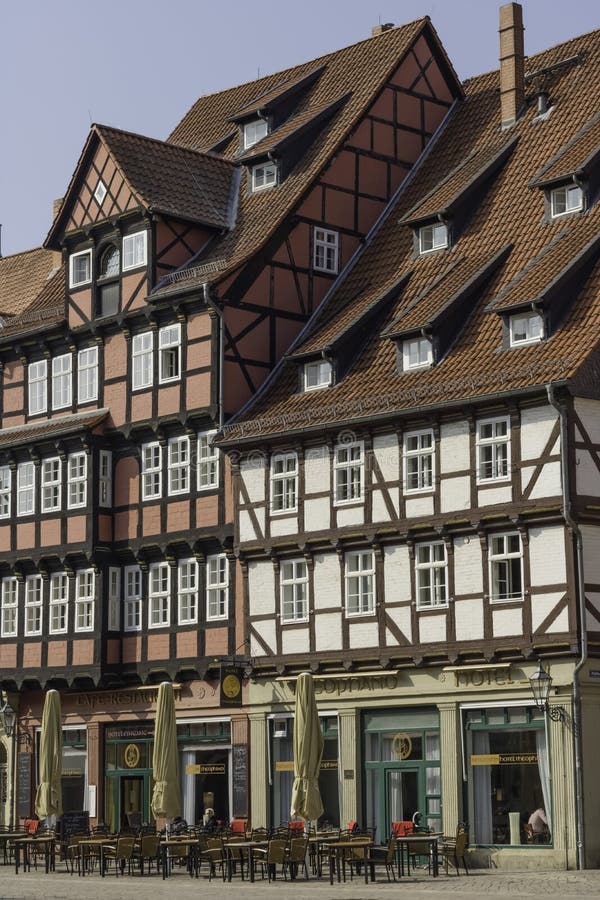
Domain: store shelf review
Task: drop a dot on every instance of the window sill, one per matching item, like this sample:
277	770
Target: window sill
284	513
494	482
343	504
434	608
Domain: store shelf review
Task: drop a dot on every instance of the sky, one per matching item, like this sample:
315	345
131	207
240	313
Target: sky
140	64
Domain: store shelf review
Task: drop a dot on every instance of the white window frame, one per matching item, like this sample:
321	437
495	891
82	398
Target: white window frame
566	192
58	610
284	482
87	278
25	488
264	176
435	233
523	322
85	600
169	353
62	381
100	192
326	250
217	587
317	374
431	575
151	474
178	466
187	593
159	595
9	623
417	353
419	461
293	587
114	598
87	374
37	387
142	361
349	458
355	585
132	603
34	611
135	246
5	492
77	480
105	479
208	461
254	132
51	484
504	558
492	444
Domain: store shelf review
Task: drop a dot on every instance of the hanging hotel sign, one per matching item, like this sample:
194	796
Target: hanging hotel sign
205	769
504	759
231	686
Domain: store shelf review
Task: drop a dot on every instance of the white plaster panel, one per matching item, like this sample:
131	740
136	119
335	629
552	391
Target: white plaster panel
432	629
468	575
363	634
380	510
589	413
586	474
542	605
547	555
494	495
591	553
386	452
560	624
253	475
316	470
419	506
454	447
507	621
287	525
317	514
295	640
350	515
401	616
328	592
261	588
247	529
455	493
396	574
266	630
328	631
469	620
536	427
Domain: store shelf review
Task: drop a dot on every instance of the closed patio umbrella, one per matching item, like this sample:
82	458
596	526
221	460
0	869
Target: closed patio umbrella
48	800
308	749
166	796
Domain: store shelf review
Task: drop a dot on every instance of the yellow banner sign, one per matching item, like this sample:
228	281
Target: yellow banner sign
202	769
287	765
504	759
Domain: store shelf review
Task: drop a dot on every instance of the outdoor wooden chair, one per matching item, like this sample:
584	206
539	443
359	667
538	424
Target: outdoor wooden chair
211	852
384	856
296	857
120	854
274	855
147	851
452	851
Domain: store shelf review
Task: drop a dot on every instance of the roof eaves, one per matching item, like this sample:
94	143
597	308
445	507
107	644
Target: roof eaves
56	427
276	95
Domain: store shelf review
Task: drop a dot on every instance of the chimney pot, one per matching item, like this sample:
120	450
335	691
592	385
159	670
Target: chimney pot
512	63
379	29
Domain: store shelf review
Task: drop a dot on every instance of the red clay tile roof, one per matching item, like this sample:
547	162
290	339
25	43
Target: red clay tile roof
47	308
275	95
576	157
49	428
22	277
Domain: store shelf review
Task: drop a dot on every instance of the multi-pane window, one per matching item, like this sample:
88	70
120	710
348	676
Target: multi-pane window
62	381
284	482
133	598
566	199
151	471
433	237
526	328
360	583
87	375
25	489
208	461
418	461
134	250
317	375
37	376
179	465
254	132
51	484
80	268
217	587
431	570
493	449
85	594
10	607
105	478
348	468
158	595
142	360
59	603
326	250
5	490
114	598
506	567
76	480
187	571
294	590
33	604
264	176
169	349
417	353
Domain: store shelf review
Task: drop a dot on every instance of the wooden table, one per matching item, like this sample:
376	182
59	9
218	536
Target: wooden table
25	844
429	843
168	843
89	844
336	851
6	837
250	847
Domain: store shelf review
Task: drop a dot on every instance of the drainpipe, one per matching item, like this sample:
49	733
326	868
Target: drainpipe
580	590
217	309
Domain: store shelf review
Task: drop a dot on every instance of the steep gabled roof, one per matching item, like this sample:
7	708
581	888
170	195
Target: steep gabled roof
22	277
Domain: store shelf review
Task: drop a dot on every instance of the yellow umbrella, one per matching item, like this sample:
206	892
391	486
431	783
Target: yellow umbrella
308	749
166	796
48	800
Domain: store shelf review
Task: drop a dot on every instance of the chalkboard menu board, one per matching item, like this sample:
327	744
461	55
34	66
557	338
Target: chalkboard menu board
24	785
240	781
73	823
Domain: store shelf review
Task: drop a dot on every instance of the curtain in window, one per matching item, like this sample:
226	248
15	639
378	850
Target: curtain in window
544	770
188	758
482	789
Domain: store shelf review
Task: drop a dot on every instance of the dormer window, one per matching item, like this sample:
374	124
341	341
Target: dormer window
417	353
433	237
317	375
264	176
80	268
526	328
254	132
566	199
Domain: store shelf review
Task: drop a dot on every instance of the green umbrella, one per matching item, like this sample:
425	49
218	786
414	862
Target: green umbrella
308	749
48	800
166	796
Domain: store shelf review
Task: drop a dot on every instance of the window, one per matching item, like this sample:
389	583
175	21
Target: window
110	262
5	491
348	467
105	478
506	567
284	482
254	132
25	489
62	382
10	607
33	604
431	570
433	237
294	590
566	199
208	461
526	328
100	192
109	286
133	598
179	465
37	373
134	250
77	480
417	353
59	603
169	348
85	594
151	471
142	360
51	484
264	176
360	583
493	449
326	250
317	375
217	587
418	461
187	571
114	598
158	595
80	268
87	375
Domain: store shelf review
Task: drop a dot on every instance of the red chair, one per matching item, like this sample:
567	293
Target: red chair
401	829
238	826
296	827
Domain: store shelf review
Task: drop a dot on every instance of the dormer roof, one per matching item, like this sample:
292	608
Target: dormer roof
281	93
577	158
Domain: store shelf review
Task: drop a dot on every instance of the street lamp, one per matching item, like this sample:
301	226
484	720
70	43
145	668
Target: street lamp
9	719
541	682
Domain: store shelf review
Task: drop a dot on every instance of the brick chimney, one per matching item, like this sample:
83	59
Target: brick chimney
512	63
380	29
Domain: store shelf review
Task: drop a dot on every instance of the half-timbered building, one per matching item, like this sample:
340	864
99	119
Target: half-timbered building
416	486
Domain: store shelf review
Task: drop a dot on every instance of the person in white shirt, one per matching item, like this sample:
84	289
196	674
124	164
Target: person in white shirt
538	821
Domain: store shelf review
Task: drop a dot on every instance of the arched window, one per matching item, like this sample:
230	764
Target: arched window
109	286
110	264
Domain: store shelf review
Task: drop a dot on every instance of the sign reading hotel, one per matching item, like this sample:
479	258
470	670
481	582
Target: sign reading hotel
205	769
504	759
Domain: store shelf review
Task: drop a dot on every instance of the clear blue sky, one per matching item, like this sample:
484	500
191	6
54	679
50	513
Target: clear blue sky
140	64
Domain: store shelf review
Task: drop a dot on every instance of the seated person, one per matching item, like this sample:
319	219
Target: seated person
539	823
